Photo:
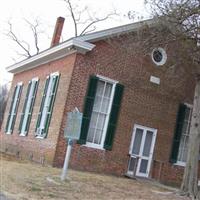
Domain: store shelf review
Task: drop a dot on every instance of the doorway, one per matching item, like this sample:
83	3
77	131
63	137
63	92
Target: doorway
141	151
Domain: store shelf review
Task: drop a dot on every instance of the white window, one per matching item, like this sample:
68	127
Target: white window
159	56
28	107
100	114
47	105
183	147
13	108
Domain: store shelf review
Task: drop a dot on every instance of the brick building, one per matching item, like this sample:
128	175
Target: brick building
136	109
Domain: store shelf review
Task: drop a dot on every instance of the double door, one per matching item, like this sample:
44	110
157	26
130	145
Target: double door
141	150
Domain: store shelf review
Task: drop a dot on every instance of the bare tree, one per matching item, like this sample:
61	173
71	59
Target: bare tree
84	21
26	50
89	21
3	100
183	16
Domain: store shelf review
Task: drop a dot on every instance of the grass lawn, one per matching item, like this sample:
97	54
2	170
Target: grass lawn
21	180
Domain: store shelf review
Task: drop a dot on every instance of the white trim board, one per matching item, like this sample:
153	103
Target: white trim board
80	44
99	35
51	54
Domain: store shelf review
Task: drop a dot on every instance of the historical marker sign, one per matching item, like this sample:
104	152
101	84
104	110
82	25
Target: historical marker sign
72	132
73	127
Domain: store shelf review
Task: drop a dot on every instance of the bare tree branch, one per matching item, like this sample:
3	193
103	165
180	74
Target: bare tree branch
97	20
76	15
34	28
13	37
71	10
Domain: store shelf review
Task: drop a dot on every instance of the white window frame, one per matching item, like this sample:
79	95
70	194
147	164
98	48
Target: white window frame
14	104
164	56
101	145
181	163
26	113
44	114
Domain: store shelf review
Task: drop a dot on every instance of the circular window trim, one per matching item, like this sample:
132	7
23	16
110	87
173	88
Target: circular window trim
164	56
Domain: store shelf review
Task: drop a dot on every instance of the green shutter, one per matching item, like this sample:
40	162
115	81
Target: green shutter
113	117
178	132
42	104
24	107
11	107
31	106
88	106
50	109
16	107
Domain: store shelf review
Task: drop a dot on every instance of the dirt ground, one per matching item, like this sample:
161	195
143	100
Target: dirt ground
20	180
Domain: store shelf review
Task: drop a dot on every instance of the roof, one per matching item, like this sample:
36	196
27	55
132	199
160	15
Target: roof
81	44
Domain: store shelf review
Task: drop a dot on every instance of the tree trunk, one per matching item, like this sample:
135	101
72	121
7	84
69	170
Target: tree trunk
190	179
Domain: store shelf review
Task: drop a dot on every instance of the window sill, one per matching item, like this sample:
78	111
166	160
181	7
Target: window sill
180	164
39	137
22	135
91	145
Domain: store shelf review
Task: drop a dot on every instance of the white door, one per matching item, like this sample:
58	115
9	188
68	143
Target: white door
141	150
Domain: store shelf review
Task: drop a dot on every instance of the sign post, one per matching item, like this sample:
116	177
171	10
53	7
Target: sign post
71	133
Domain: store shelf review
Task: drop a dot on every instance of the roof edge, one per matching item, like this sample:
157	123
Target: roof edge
111	32
81	44
51	54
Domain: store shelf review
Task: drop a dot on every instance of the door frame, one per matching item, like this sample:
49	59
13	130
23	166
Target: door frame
145	129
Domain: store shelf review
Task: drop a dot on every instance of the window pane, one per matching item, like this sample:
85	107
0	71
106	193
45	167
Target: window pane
105	105
132	164
181	147
185	127
184	156
98	135
100	88
147	144
143	166
97	103
137	141
90	135
187	114
101	121
93	120
108	90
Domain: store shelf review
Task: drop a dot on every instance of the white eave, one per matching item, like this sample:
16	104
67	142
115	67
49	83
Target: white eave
79	44
54	53
92	37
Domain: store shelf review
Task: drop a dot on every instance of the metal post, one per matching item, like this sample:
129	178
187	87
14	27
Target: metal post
67	157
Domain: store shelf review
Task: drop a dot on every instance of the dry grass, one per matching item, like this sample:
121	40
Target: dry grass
28	181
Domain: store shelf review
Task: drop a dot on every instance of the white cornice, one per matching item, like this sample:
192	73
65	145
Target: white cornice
115	31
51	54
79	44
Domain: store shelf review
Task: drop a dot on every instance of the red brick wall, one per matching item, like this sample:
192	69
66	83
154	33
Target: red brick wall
167	173
143	102
29	146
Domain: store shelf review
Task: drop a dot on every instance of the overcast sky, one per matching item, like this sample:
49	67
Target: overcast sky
47	11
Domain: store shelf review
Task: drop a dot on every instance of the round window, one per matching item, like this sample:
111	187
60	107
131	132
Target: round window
159	56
